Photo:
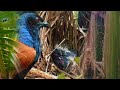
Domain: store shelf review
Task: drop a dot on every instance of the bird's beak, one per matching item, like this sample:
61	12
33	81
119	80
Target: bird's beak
43	24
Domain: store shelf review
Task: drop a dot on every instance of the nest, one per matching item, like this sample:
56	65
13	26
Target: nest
64	31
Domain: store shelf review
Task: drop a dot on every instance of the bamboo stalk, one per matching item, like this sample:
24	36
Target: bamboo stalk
112	45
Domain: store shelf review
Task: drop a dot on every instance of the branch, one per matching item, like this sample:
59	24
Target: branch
39	73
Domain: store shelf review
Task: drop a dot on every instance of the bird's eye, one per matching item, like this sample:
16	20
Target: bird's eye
5	19
37	19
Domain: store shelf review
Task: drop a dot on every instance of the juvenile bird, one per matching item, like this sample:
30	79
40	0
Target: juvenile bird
62	57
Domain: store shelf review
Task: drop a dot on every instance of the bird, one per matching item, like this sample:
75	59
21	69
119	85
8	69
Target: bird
62	57
83	20
29	43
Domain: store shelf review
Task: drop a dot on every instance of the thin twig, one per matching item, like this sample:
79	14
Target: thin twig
80	29
52	25
48	60
86	18
55	16
57	47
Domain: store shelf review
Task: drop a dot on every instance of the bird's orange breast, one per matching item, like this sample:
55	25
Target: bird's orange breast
25	55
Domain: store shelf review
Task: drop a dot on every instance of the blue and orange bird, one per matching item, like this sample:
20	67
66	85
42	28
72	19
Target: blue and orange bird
29	46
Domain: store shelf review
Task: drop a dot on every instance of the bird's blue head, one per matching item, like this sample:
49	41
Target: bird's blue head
36	20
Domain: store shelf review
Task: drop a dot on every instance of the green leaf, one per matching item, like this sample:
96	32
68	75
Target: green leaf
10	59
10	16
2	68
61	76
5	31
9	40
77	60
4	45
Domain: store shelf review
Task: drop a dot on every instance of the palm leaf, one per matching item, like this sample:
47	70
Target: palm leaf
7	54
7	31
8	42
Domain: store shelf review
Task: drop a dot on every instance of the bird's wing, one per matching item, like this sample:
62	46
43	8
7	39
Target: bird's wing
25	37
26	55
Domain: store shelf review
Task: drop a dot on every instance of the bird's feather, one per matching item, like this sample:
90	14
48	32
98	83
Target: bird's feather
26	55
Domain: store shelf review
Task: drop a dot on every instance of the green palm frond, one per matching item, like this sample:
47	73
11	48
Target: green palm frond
8	42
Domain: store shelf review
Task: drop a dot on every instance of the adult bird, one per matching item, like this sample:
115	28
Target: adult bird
29	49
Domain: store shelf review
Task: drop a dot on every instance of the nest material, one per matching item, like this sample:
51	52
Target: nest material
63	27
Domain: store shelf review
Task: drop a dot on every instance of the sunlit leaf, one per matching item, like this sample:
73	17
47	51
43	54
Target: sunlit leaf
77	60
9	40
61	76
4	31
